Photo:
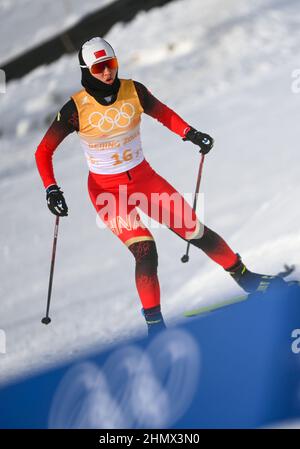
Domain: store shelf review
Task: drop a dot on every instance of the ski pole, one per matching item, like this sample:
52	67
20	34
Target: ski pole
47	319
185	257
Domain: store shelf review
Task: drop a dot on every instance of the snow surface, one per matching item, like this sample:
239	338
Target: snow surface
228	68
37	21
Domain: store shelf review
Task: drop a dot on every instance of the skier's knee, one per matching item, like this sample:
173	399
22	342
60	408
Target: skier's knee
196	234
145	254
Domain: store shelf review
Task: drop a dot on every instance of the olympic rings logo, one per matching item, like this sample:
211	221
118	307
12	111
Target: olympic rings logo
113	117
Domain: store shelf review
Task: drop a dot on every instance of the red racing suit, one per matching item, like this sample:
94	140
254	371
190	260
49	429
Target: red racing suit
120	179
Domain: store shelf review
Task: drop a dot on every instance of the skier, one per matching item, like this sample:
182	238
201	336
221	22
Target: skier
106	114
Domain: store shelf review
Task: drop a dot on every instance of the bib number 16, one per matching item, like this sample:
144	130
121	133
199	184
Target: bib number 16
124	157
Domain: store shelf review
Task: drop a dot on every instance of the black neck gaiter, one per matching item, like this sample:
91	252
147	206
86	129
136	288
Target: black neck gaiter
96	88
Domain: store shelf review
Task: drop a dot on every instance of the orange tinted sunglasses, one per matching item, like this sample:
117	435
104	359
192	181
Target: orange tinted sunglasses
100	66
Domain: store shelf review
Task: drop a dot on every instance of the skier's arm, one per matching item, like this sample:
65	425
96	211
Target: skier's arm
64	124
158	110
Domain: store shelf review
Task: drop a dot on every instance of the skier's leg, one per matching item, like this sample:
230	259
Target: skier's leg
213	245
146	261
147	283
128	227
217	249
171	209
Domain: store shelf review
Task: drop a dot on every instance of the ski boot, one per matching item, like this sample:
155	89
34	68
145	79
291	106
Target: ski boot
154	320
254	282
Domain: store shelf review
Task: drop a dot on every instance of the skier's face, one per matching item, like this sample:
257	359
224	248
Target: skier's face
107	75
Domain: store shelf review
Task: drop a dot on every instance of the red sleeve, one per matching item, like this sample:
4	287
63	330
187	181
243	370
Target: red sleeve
156	109
65	122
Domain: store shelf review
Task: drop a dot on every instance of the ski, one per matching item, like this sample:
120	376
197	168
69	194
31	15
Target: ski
237	299
211	308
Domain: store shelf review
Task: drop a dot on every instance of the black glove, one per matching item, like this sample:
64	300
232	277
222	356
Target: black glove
204	141
56	201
